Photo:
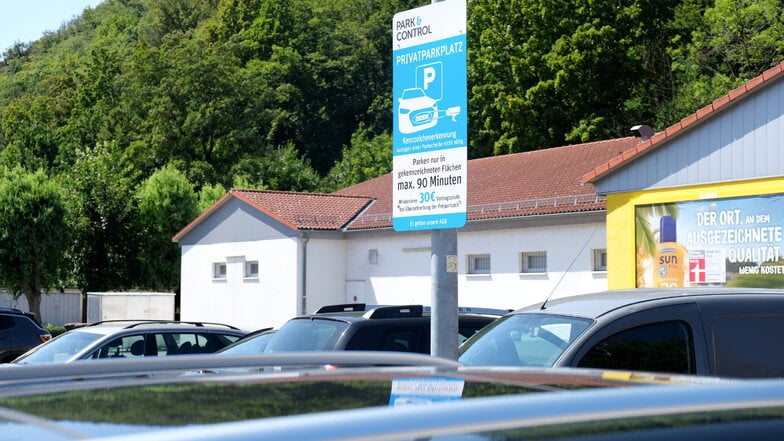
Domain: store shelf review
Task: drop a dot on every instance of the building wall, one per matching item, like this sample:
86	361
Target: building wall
325	278
402	272
236	221
621	218
249	303
569	250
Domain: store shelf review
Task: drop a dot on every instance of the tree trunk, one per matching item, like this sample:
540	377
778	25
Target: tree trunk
34	303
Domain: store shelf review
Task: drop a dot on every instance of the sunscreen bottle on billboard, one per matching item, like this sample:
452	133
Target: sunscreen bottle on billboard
670	259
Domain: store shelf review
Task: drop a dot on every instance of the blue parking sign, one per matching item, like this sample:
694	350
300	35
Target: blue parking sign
430	134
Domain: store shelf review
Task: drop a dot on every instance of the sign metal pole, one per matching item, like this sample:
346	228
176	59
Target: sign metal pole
430	143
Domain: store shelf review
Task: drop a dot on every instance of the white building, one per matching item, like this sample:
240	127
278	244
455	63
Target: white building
257	258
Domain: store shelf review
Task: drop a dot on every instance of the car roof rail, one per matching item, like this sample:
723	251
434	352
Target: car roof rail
383	312
343	307
181	322
139	322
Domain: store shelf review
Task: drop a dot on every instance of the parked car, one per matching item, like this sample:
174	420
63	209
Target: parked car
102	399
19	332
358	326
124	339
722	412
724	332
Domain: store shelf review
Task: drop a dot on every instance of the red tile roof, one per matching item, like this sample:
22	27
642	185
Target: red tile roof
689	122
522	184
309	211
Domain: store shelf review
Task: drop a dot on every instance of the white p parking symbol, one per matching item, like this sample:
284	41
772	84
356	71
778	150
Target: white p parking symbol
430	78
429	74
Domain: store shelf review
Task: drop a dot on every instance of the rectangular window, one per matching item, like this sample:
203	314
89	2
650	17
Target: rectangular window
478	264
533	262
219	270
654	347
251	269
600	260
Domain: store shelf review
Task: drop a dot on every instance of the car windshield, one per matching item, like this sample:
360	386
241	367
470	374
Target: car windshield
59	349
249	346
523	340
306	335
409	94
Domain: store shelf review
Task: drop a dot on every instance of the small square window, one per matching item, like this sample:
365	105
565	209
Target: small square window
219	270
534	262
479	264
251	269
600	260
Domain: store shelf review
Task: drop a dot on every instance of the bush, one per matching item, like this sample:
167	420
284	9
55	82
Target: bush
55	330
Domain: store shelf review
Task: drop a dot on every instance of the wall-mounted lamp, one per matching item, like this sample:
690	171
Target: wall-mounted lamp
643	132
373	256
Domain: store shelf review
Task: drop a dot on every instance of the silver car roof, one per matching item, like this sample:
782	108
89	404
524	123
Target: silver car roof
594	305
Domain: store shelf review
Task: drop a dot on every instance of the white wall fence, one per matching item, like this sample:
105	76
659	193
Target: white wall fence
56	308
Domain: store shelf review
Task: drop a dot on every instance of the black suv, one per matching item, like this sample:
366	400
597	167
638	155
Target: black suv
358	326
19	332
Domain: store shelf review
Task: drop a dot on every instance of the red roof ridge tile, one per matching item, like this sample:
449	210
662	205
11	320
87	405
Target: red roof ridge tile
284	192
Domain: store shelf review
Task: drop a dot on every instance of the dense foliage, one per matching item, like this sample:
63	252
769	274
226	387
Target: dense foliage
295	95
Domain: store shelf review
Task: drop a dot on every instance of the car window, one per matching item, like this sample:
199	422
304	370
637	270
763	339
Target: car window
523	340
130	346
6	322
23	323
165	344
656	347
197	342
60	348
188	342
467	330
409	94
744	346
402	340
306	335
248	346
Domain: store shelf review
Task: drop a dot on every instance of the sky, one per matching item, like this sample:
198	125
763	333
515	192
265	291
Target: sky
27	20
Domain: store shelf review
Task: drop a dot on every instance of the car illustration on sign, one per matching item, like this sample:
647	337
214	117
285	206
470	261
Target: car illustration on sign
416	111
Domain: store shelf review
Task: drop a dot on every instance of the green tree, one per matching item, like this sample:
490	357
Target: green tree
728	43
31	135
544	73
209	194
102	187
282	169
167	202
34	234
367	157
